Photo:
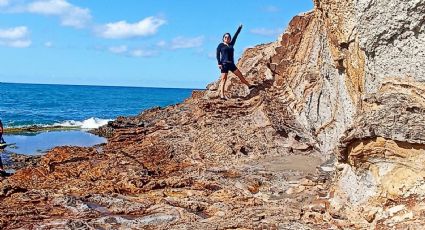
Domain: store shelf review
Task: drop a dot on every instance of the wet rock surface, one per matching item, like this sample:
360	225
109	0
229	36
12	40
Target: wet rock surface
13	161
331	138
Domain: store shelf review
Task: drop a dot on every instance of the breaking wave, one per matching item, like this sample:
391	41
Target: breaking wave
91	123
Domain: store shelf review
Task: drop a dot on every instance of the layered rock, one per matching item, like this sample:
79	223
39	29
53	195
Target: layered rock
381	46
344	79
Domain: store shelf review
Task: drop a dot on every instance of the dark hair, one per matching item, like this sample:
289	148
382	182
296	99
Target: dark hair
230	36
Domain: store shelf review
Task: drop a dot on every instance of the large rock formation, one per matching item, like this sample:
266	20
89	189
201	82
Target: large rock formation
378	47
344	80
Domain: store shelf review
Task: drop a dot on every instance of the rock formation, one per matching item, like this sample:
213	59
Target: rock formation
331	138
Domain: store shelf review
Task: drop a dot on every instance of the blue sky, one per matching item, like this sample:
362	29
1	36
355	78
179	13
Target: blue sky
133	42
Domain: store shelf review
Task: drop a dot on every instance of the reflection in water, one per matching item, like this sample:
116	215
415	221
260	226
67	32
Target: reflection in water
41	142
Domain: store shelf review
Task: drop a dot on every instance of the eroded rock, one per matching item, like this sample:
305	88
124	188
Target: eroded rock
345	79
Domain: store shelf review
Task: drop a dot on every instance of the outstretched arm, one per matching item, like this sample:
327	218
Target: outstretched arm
236	35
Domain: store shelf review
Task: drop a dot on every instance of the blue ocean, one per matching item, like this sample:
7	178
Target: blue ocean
81	107
74	105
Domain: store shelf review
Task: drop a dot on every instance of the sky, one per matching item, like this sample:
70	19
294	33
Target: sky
133	42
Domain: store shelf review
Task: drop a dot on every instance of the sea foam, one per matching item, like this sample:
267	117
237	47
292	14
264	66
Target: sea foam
90	123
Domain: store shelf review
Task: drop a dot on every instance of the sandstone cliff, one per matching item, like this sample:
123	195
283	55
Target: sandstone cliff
344	80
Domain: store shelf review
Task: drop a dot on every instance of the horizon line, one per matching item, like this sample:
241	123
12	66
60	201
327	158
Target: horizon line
64	84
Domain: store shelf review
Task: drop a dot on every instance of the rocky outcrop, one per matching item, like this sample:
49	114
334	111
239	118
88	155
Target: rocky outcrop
380	153
344	80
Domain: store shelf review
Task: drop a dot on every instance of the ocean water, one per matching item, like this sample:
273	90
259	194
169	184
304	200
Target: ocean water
82	106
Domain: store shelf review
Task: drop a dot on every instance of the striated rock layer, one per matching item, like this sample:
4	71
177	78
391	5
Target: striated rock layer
344	80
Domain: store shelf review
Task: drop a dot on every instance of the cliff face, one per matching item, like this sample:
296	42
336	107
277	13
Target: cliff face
344	80
358	77
380	46
351	75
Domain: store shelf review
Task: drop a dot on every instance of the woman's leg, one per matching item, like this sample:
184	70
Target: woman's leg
239	74
1	165
223	84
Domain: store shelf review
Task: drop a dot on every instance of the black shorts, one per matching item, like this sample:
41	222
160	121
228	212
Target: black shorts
228	66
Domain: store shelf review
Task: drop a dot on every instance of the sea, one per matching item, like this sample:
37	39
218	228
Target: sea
81	107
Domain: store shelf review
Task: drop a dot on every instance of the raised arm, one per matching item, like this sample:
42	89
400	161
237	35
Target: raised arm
236	35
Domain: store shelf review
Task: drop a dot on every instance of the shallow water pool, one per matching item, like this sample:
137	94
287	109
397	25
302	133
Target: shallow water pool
39	143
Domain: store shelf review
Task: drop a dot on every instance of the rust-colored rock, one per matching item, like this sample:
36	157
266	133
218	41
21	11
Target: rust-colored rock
344	80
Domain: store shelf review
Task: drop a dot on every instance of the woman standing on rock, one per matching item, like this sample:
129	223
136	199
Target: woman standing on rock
225	55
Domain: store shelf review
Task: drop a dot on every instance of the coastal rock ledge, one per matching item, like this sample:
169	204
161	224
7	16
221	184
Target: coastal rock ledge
332	137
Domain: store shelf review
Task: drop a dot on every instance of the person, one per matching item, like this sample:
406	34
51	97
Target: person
2	171
226	63
1	133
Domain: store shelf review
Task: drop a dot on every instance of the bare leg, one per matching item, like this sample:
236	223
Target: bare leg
223	84
239	74
1	165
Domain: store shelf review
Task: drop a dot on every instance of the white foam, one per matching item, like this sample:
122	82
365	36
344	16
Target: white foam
91	123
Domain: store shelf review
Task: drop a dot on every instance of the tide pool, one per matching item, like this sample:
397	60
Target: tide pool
39	143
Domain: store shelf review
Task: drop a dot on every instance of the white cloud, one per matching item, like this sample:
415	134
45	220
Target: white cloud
137	52
17	43
69	14
14	33
122	29
4	2
266	32
118	49
48	44
181	43
162	44
184	43
16	37
271	9
50	7
142	53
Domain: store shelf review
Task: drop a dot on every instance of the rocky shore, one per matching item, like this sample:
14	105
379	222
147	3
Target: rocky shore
13	161
332	138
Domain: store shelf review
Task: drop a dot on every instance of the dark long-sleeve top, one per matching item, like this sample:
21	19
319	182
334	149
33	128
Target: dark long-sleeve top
225	52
